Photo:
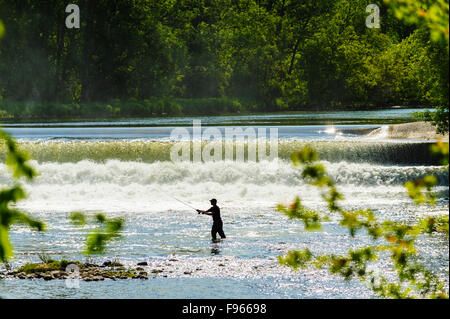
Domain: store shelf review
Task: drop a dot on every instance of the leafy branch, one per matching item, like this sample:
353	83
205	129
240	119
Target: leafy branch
96	240
17	162
396	238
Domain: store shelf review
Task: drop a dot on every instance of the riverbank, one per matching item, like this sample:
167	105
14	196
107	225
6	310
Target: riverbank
12	111
31	112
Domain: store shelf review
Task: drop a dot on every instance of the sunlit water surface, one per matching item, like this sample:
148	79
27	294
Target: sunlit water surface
125	172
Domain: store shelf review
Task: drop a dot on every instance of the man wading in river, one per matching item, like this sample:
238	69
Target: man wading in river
214	211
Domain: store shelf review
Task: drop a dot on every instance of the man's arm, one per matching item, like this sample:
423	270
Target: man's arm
204	212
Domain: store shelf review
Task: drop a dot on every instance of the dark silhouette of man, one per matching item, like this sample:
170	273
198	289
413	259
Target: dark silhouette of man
214	211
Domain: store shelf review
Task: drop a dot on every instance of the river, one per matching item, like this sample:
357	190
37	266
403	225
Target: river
123	168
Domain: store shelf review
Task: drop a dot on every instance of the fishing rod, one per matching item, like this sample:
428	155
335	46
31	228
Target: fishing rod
183	203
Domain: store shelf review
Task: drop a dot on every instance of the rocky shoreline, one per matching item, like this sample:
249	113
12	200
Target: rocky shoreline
170	266
77	270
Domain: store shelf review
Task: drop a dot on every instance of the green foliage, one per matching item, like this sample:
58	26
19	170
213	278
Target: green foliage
296	258
438	224
2	29
433	15
354	264
117	108
78	218
100	218
439	118
305	156
16	161
96	240
45	258
48	265
361	219
396	238
440	149
311	219
416	188
146	57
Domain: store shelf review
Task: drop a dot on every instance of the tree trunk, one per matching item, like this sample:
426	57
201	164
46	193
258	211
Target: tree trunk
294	52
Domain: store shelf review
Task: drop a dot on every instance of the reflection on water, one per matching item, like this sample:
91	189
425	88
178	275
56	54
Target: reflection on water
381	116
178	244
164	133
100	169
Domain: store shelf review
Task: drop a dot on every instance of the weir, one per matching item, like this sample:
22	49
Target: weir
377	152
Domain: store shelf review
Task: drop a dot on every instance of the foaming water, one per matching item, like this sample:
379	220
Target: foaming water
116	185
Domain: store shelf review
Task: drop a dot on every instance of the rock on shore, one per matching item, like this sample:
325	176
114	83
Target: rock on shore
414	130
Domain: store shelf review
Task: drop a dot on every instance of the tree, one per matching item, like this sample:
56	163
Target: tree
271	55
434	16
17	162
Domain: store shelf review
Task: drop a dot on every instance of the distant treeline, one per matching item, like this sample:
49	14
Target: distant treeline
117	108
147	57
